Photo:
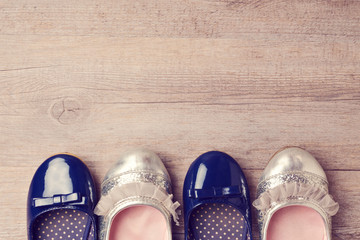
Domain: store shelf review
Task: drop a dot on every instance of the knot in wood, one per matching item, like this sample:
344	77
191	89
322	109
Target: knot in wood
67	110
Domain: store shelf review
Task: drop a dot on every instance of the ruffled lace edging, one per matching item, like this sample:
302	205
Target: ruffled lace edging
288	191
143	189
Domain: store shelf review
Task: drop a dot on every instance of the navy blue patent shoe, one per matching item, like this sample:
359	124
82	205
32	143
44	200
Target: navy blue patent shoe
216	199
61	200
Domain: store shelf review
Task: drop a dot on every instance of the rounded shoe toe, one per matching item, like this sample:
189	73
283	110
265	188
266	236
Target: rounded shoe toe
292	159
214	170
215	179
138	160
61	182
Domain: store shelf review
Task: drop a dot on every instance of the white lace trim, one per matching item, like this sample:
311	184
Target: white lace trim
288	191
143	189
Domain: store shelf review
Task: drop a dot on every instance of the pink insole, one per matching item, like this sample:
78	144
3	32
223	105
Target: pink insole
139	222
296	223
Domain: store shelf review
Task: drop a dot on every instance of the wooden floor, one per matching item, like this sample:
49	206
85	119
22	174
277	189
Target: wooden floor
96	78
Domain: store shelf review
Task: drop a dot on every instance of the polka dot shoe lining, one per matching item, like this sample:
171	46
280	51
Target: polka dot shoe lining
217	221
63	224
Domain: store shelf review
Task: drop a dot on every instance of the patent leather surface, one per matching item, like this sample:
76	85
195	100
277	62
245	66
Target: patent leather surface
62	181
215	177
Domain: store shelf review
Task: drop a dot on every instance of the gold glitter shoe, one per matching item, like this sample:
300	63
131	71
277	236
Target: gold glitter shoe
136	200
293	200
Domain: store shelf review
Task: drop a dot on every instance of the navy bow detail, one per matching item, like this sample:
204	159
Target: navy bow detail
215	192
59	200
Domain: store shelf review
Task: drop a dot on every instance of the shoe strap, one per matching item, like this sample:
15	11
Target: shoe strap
215	192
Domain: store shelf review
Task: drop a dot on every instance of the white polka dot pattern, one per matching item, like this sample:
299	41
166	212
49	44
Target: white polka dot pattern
217	221
63	224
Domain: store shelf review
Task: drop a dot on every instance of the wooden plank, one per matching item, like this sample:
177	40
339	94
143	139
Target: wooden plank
240	59
192	19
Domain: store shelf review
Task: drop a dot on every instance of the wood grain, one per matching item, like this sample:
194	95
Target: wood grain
96	78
